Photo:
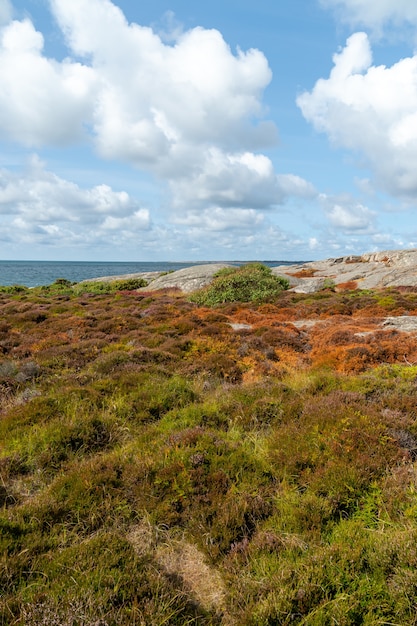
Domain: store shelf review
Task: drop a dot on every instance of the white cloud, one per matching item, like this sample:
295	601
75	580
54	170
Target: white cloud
292	185
139	220
157	97
372	110
41	101
217	219
41	206
243	180
170	29
354	218
236	180
185	108
374	13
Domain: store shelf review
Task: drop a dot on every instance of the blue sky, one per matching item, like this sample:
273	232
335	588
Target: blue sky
176	130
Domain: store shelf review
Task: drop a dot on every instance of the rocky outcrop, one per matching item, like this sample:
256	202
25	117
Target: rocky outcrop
188	279
374	270
391	268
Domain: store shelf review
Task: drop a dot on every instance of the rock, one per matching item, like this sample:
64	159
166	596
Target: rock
310	285
375	270
241	326
291	279
188	279
404	323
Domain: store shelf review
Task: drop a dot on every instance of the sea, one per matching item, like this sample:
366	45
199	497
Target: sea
36	273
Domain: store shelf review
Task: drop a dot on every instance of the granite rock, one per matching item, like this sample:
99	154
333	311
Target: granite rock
188	279
391	268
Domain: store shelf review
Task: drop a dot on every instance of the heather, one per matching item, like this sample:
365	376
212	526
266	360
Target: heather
169	461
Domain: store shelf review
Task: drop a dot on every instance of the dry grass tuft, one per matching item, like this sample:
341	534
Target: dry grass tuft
205	585
182	561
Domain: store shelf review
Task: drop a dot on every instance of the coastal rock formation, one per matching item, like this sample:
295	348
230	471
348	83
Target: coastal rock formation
188	279
391	268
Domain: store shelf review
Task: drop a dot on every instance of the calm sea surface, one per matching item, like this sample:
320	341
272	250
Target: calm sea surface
34	273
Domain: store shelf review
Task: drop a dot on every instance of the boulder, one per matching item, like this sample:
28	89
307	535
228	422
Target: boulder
188	279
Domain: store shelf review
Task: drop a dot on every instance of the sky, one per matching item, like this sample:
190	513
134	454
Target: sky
174	130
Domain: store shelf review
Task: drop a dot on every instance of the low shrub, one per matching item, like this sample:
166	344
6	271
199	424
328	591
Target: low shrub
110	286
13	289
253	282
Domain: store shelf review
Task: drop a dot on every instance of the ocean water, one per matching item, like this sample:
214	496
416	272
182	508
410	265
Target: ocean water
35	273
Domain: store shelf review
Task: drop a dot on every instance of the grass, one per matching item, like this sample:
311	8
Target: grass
159	465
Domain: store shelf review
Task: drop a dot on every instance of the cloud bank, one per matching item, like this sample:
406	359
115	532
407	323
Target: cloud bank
39	205
184	107
180	105
186	112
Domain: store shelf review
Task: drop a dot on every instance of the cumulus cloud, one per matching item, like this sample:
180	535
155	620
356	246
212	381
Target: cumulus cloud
40	210
179	104
170	29
41	101
44	207
374	14
292	185
217	219
229	180
354	218
372	110
237	180
156	97
144	100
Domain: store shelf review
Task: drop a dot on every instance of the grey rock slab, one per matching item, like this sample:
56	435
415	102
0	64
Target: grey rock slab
188	279
404	323
306	323
397	258
310	285
390	268
236	326
293	280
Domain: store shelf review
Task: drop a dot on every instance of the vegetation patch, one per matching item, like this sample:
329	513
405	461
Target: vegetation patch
164	462
253	282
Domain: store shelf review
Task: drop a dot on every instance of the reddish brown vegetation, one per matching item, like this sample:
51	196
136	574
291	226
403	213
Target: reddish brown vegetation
304	273
348	335
349	285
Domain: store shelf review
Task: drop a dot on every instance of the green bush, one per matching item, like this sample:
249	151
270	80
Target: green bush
99	286
61	286
253	282
12	289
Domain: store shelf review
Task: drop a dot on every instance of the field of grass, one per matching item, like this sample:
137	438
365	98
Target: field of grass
166	462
